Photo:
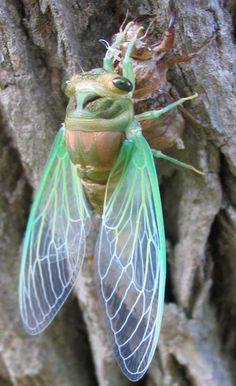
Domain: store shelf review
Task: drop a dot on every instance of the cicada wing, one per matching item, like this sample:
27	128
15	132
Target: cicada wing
55	240
131	258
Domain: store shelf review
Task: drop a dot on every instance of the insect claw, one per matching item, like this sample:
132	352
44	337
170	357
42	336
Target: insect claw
190	97
197	171
159	154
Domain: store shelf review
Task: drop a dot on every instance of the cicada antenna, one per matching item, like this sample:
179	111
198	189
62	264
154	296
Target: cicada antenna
81	68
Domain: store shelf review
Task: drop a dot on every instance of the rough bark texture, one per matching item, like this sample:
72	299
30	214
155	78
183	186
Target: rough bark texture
44	42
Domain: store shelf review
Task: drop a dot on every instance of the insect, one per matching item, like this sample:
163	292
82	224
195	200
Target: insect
100	161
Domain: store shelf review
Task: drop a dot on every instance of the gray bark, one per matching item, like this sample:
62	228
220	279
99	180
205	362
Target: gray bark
44	42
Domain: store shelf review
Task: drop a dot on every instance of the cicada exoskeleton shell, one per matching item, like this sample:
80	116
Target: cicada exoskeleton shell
151	61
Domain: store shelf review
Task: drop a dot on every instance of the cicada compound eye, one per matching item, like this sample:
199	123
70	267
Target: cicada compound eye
64	85
122	83
69	87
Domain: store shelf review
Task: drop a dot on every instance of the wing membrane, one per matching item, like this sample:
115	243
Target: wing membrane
55	240
131	258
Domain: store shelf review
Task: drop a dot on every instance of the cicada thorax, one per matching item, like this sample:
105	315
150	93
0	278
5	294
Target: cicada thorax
97	116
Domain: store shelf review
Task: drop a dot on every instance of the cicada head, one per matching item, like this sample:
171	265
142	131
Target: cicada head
99	94
98	84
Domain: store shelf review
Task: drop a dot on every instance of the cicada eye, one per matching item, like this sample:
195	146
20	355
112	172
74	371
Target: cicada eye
122	83
64	85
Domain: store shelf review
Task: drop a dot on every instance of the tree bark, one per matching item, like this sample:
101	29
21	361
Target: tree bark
44	42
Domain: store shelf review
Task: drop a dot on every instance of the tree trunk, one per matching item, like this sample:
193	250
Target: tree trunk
44	42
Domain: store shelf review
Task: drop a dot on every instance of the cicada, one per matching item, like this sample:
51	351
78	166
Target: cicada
100	161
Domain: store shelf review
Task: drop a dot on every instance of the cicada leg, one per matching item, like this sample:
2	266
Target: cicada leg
167	41
107	61
127	68
156	114
159	154
187	58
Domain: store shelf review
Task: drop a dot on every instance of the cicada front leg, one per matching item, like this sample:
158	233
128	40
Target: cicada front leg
108	58
126	66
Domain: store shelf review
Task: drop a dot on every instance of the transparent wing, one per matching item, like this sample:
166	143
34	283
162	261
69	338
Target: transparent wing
55	240
130	257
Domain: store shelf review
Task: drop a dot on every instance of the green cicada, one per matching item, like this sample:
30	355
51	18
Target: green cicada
101	162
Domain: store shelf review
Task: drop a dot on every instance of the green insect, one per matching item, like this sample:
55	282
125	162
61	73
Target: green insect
101	162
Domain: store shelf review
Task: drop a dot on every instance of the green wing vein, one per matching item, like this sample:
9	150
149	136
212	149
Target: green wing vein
130	257
55	240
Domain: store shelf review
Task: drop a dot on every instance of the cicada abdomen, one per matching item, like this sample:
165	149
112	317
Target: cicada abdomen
151	61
